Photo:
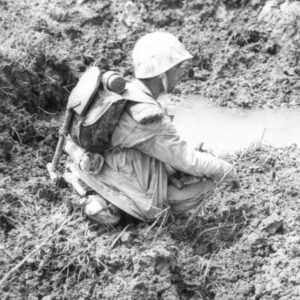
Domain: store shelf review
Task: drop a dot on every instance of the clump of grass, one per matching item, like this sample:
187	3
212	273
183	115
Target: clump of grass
54	247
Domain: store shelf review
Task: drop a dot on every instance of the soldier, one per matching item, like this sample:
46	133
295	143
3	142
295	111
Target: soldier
146	148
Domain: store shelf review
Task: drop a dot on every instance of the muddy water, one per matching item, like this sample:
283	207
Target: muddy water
227	130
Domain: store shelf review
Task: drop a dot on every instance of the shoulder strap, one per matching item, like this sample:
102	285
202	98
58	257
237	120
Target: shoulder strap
132	93
143	108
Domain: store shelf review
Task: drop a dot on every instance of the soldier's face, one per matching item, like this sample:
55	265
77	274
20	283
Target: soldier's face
173	76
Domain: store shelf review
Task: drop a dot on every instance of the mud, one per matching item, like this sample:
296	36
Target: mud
239	244
245	53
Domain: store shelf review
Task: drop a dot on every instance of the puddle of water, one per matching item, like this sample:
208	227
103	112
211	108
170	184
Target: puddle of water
227	130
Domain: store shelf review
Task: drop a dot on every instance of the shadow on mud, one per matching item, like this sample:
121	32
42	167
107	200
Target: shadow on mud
205	234
210	233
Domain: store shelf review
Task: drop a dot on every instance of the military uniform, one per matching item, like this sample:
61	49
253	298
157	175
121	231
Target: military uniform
143	143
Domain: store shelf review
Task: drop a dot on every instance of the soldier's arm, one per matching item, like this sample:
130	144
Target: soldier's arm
167	146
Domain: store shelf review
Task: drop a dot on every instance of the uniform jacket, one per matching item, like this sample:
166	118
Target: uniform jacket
144	141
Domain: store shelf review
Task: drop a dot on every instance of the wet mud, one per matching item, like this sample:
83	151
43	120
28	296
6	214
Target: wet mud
239	244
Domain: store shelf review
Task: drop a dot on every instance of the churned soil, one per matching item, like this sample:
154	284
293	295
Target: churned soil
245	53
239	244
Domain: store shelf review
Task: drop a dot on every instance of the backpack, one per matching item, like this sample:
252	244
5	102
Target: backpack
93	111
97	109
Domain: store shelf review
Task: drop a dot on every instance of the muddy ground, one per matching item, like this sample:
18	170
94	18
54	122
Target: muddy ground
240	244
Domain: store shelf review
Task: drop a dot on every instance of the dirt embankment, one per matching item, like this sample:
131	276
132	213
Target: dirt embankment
239	245
245	53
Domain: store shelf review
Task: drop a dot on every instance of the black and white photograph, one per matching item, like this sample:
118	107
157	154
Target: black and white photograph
149	150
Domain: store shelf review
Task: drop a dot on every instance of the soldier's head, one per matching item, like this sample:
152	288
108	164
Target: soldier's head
159	56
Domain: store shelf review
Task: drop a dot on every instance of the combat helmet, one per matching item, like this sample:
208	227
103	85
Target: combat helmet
157	52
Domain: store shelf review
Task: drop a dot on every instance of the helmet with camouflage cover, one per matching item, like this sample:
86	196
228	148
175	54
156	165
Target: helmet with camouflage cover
157	52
